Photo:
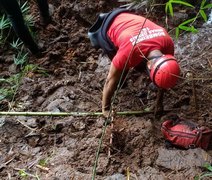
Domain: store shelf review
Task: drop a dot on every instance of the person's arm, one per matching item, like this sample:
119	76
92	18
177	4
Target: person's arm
109	88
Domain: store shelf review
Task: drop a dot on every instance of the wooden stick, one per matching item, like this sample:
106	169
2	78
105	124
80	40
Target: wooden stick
4	113
111	138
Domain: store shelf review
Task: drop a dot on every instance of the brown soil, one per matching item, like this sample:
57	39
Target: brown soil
74	82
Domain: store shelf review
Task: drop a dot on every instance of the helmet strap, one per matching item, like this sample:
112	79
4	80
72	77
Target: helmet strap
150	59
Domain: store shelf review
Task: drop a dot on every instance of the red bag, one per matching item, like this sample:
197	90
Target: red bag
186	134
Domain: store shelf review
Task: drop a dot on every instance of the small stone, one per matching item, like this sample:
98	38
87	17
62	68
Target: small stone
78	125
32	122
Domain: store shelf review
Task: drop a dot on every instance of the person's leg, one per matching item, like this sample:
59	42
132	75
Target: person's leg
13	11
44	12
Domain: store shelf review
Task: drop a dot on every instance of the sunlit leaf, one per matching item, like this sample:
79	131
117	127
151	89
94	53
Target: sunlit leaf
171	9
184	3
166	8
177	32
205	175
188	21
208	167
208	6
204	16
4	22
185	28
193	29
202	3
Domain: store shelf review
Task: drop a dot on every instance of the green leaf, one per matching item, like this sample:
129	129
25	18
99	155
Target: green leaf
206	175
171	9
22	173
42	162
21	58
16	44
25	8
187	28
183	3
196	177
204	16
208	6
177	32
202	3
2	97
4	22
193	29
208	167
188	21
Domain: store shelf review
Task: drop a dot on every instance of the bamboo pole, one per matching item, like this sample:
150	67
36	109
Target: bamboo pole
4	113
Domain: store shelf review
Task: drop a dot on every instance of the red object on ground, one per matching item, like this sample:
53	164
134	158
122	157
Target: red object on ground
186	134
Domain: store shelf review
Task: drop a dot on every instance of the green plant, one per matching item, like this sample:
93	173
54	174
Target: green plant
9	86
169	5
16	44
206	174
188	24
28	18
23	174
20	58
43	162
32	68
4	24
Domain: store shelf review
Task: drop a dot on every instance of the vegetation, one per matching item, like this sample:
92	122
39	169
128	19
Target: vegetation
187	25
9	86
205	174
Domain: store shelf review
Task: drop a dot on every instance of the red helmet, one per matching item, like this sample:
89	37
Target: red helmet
165	72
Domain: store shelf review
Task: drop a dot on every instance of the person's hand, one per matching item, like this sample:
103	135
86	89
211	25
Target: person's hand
106	111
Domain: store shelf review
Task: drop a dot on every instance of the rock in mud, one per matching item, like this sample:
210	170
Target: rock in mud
116	177
182	159
150	173
31	122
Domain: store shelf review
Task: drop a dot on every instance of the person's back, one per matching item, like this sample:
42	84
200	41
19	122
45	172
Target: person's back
129	29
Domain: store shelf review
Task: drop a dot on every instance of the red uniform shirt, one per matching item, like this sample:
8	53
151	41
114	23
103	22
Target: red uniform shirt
124	32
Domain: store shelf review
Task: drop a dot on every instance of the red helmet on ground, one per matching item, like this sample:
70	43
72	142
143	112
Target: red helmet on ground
165	72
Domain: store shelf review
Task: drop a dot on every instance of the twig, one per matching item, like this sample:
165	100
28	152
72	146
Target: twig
194	92
25	125
209	62
111	138
3	113
26	173
42	168
6	163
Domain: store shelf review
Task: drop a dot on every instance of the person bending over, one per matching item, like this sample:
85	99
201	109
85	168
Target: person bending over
132	41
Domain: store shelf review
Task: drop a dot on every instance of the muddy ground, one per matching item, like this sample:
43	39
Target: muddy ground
65	147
